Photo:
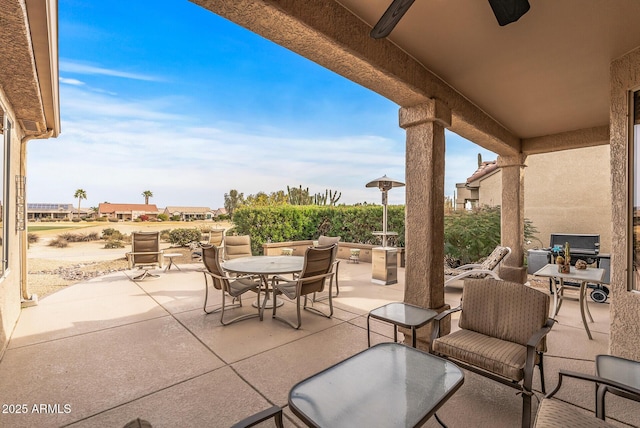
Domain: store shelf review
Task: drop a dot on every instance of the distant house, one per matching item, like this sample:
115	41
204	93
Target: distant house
189	213
127	211
219	212
36	212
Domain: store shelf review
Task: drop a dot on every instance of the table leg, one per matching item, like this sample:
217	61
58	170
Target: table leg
269	300
583	286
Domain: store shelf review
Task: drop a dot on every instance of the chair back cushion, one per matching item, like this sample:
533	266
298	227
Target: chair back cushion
317	261
145	242
502	309
211	260
237	246
327	240
494	259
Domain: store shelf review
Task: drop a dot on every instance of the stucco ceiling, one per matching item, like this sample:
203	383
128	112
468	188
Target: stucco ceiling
545	74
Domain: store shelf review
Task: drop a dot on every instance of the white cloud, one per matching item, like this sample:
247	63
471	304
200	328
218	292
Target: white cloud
67	81
79	68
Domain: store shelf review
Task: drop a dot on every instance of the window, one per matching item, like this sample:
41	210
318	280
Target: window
634	191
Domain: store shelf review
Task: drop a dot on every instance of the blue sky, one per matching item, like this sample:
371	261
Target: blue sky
168	97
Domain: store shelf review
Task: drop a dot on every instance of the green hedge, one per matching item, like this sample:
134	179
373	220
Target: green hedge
469	235
307	222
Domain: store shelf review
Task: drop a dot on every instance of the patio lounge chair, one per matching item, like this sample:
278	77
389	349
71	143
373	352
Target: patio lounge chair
318	264
487	268
557	413
234	287
502	336
145	253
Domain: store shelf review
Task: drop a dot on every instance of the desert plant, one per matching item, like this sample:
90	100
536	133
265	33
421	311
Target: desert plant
59	242
111	233
32	238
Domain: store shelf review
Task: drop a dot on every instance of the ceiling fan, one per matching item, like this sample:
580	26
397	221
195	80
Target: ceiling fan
506	12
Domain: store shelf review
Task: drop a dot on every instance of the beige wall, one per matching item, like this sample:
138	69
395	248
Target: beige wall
10	298
624	339
491	193
569	192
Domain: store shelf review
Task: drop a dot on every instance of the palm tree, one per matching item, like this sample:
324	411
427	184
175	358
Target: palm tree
147	194
80	194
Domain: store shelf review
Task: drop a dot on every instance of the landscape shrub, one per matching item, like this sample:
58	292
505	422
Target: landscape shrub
113	243
182	237
59	242
75	220
79	237
174	218
32	238
100	219
163	217
144	217
113	220
111	233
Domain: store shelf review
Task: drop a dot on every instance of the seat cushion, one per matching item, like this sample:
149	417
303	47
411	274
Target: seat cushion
555	413
504	358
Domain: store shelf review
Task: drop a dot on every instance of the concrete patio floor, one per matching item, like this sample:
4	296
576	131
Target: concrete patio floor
104	352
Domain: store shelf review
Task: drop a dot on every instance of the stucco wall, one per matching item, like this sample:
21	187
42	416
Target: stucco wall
10	297
491	190
569	192
624	340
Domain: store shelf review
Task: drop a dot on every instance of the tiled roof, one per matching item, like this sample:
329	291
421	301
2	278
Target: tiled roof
111	208
189	209
484	169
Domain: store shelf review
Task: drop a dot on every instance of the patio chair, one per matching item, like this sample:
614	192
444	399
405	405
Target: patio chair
488	267
324	241
145	253
557	413
234	287
502	336
236	246
318	263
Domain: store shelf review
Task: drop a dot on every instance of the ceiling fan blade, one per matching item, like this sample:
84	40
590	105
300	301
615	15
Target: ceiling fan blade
390	18
508	11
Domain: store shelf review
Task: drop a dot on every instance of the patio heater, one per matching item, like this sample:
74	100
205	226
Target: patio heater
384	262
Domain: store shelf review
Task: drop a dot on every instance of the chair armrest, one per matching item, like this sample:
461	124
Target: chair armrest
435	331
595	379
130	257
272	412
538	335
530	360
469	266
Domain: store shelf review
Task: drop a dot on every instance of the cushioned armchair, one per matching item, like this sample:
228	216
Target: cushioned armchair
554	413
145	253
502	334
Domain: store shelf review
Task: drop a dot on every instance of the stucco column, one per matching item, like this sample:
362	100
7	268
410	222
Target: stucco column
424	209
512	216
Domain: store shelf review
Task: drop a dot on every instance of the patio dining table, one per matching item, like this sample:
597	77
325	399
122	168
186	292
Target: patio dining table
264	267
583	276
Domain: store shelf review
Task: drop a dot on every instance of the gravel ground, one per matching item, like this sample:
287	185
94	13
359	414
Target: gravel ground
48	275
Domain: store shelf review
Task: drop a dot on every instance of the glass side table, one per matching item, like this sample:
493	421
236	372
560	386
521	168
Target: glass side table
403	315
